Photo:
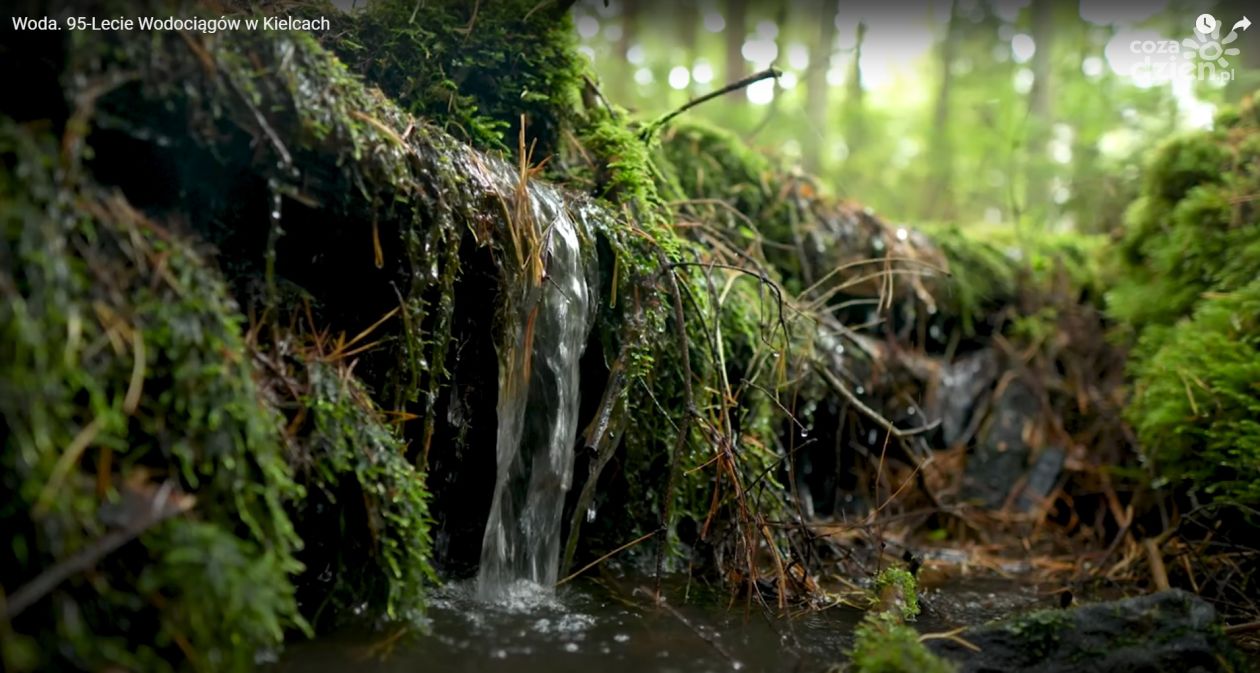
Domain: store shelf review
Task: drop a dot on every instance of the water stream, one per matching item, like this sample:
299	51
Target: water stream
610	624
538	395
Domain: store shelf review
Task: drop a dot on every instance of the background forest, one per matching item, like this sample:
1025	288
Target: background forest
1012	113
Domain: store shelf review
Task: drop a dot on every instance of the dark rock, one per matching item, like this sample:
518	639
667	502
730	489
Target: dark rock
1167	631
1000	456
960	386
1042	476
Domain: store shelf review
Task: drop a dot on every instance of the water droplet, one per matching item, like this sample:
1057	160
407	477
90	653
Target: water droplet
590	514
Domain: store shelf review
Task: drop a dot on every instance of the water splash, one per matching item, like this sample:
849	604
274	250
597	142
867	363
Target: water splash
547	327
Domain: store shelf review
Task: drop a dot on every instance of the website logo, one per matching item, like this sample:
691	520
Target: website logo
1205	56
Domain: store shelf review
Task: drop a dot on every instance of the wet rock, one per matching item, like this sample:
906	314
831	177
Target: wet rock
954	397
1001	454
1167	631
1041	478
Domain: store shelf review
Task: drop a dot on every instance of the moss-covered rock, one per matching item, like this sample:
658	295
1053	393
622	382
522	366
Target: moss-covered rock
365	519
127	388
1196	398
1188	294
896	589
476	69
1166	631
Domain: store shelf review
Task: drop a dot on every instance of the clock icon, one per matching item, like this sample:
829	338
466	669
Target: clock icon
1205	24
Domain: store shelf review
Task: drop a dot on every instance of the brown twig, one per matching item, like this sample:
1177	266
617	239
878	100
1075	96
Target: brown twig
605	557
660	123
838	386
161	507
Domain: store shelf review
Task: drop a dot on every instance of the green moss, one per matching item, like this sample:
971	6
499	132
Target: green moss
473	68
1188	293
1039	632
366	515
1197	398
991	269
714	177
125	374
897	589
884	645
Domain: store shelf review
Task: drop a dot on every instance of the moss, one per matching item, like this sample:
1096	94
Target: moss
126	375
1196	400
1188	294
1039	632
89	284
982	277
1183	163
897	589
990	269
366	516
709	162
884	645
716	178
474	68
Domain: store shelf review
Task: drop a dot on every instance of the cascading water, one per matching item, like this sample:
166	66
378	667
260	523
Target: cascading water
547	327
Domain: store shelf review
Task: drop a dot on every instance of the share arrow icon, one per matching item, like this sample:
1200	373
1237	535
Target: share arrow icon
1244	23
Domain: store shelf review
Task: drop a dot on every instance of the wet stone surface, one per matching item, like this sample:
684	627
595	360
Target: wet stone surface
1167	631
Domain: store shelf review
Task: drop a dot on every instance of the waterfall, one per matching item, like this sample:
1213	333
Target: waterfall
538	399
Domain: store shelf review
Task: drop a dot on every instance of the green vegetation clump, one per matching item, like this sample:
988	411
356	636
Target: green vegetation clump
884	645
130	410
474	68
897	589
989	269
366	512
708	162
1188	294
1196	399
713	176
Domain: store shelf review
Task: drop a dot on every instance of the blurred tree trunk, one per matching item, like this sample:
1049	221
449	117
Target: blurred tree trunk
1040	112
688	15
623	82
938	202
855	97
736	33
817	88
1093	203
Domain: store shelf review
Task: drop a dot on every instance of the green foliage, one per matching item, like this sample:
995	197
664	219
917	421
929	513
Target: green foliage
989	268
127	374
709	162
125	370
1196	403
722	180
884	645
1190	231
1188	292
474	68
903	590
982	276
371	521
